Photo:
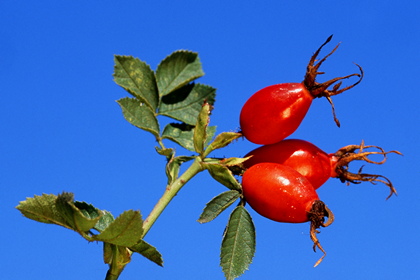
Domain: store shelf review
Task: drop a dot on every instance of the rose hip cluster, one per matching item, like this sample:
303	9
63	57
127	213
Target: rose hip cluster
281	177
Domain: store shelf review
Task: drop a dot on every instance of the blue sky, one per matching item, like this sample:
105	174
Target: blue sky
63	131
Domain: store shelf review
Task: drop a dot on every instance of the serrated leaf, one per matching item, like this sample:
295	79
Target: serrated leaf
125	230
90	218
42	209
223	175
183	134
61	210
217	205
136	77
106	219
185	103
80	220
200	130
139	115
148	251
221	141
238	245
88	210
177	70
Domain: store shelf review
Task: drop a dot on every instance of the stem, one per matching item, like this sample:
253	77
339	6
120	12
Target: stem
113	272
159	140
170	193
116	266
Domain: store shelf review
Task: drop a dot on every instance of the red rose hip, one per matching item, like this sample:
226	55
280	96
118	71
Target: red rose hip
275	112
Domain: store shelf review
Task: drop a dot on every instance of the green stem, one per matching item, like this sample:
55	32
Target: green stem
170	193
159	140
115	266
112	274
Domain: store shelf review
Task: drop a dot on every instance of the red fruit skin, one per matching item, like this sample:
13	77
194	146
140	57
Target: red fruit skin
278	192
303	156
275	112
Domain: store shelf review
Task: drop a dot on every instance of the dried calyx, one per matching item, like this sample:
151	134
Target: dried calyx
317	218
321	89
348	154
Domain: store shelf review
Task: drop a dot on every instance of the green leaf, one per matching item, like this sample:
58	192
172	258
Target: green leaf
200	130
233	161
106	219
108	252
238	245
211	130
221	141
85	215
88	210
61	210
137	78
80	221
177	70
173	166
217	205
167	152
125	230
43	209
185	103
148	251
223	175
139	115
183	134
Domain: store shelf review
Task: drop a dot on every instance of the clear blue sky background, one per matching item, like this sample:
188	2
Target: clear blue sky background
63	131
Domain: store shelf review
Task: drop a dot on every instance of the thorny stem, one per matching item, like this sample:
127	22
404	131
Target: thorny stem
317	217
348	154
170	192
321	89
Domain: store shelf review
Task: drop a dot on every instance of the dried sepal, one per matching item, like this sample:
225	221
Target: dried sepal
321	89
317	218
351	153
